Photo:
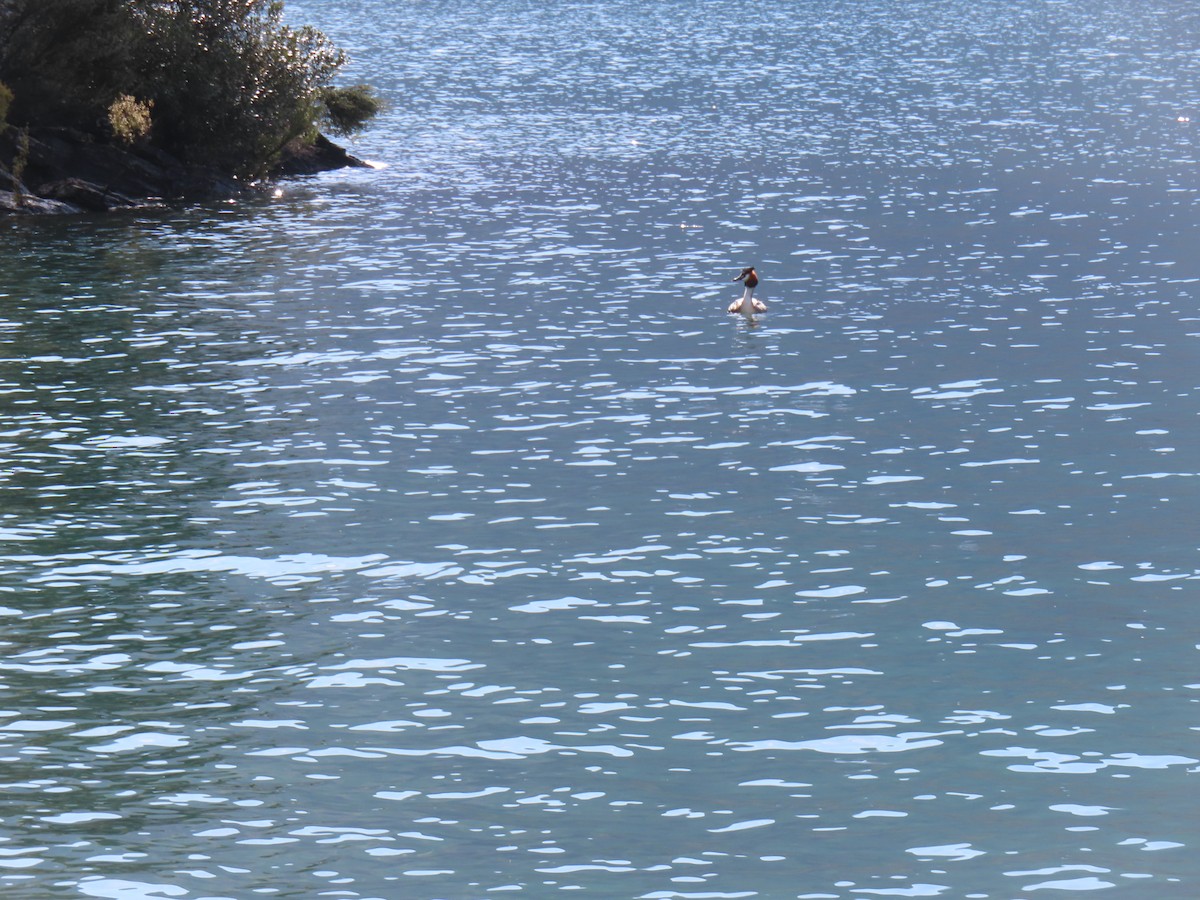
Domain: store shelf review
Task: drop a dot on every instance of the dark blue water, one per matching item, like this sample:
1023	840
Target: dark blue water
432	531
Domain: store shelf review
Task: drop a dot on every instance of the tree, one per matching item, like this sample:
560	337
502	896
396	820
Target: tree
228	83
231	84
65	60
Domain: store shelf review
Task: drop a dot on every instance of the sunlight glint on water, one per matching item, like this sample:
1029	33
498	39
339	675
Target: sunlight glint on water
431	532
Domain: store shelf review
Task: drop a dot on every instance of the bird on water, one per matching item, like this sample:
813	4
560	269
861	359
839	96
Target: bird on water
746	304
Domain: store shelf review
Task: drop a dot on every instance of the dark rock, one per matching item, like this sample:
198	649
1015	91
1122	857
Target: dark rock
22	203
68	171
87	195
321	155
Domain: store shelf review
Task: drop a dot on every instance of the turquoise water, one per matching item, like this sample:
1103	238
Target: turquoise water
432	532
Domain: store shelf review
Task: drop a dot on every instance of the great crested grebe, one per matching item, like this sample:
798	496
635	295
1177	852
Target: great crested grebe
746	304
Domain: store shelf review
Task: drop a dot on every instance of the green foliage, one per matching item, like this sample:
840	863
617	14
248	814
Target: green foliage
6	98
349	109
129	119
20	161
229	83
65	60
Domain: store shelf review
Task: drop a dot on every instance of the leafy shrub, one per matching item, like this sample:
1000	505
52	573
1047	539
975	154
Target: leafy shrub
129	119
230	84
65	60
348	109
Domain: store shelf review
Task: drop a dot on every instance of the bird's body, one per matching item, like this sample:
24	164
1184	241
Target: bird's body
746	304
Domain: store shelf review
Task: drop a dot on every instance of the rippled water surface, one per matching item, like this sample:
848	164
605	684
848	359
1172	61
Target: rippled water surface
432	532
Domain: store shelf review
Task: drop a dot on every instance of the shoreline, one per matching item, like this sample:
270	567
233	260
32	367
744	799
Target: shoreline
61	171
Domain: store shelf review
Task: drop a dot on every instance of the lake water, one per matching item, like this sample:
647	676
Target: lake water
432	532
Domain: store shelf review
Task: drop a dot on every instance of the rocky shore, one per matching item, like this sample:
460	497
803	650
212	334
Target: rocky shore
60	170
